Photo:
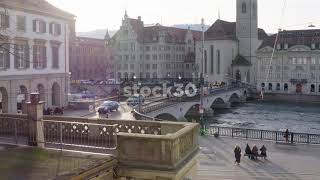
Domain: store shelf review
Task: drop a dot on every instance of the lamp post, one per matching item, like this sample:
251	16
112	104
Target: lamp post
201	76
139	98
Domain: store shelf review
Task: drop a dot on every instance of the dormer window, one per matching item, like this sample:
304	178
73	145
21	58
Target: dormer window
286	46
244	8
313	46
278	46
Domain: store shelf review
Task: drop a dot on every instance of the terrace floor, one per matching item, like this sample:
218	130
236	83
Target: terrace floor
284	162
32	163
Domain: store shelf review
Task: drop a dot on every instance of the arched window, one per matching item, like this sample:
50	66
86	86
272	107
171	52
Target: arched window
278	86
285	87
313	88
263	85
270	87
244	8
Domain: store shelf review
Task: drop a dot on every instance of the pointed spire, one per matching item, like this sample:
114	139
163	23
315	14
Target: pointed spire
125	14
107	36
219	14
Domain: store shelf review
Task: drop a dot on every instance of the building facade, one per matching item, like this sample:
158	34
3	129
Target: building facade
153	51
295	66
34	53
230	47
90	59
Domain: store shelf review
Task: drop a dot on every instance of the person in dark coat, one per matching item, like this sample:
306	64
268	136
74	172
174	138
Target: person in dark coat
248	151
286	135
263	150
255	151
237	154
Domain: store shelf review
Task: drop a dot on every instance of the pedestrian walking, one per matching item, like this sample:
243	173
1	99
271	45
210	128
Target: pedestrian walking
237	154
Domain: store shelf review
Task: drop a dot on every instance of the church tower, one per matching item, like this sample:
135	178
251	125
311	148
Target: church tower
247	28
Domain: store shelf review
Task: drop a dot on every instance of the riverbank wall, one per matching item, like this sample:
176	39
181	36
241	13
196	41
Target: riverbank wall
296	98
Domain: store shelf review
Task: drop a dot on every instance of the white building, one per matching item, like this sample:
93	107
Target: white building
295	66
34	52
230	47
153	51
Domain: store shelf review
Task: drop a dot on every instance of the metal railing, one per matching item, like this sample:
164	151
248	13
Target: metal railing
278	136
15	130
80	136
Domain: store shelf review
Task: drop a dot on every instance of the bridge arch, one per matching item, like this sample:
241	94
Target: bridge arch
234	98
166	116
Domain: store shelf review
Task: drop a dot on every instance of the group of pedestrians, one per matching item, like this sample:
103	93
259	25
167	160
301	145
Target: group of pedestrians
251	153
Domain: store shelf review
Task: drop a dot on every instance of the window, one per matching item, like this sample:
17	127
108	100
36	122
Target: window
154	57
55	29
313	88
21	23
154	66
39	55
132	66
4	21
270	87
55	56
154	75
313	46
147	57
147	48
21	60
125	67
218	61
39	26
4	57
212	59
285	87
133	57
244	8
133	47
278	86
147	66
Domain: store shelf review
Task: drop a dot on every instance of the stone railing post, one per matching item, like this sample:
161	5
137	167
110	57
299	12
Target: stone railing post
35	118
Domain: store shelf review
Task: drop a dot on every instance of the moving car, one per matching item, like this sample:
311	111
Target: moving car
108	106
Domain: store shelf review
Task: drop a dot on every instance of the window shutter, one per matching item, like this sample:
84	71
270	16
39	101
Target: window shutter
7	56
34	25
27	56
16	56
35	62
44	58
51	28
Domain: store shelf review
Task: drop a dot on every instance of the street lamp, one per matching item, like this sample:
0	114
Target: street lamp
201	76
139	94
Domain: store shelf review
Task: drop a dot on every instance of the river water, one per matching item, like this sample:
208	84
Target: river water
303	118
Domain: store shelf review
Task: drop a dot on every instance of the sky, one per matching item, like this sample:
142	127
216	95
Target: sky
107	14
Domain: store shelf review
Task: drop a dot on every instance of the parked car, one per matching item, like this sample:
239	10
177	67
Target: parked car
108	106
111	81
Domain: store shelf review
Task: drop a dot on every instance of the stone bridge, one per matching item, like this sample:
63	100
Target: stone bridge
177	109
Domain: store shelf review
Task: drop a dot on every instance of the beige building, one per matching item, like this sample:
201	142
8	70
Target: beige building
230	47
34	53
153	51
295	66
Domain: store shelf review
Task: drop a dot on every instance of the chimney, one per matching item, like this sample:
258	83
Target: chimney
139	18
